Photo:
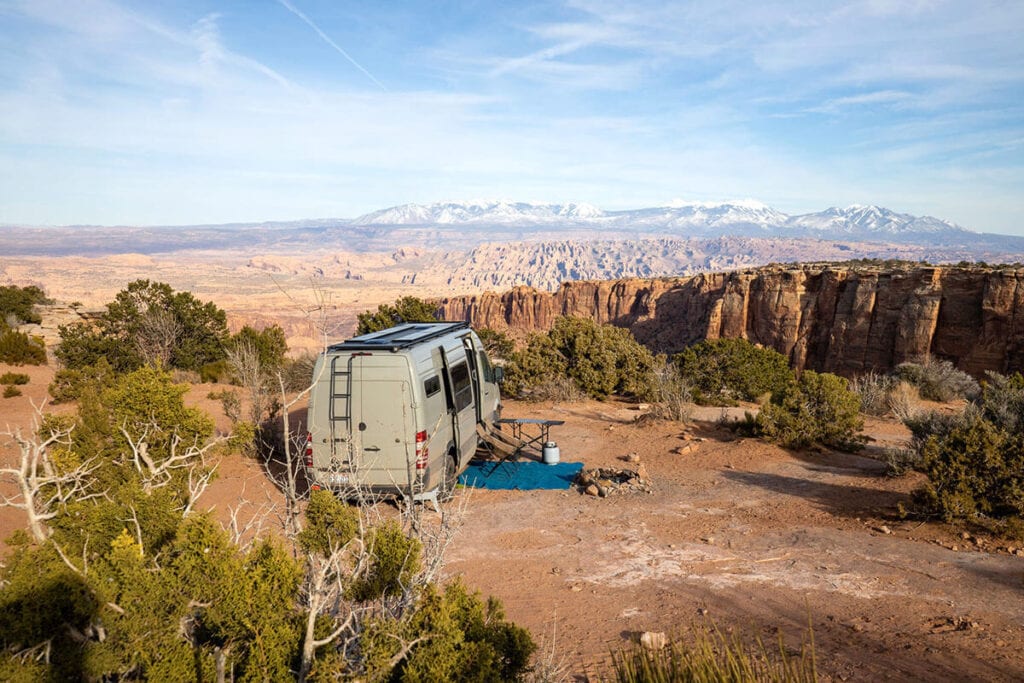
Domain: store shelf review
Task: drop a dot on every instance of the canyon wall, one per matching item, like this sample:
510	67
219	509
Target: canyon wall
846	320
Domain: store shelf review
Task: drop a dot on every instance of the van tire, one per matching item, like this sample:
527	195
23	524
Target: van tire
449	478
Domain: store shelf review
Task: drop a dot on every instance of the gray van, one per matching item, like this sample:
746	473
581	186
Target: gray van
396	411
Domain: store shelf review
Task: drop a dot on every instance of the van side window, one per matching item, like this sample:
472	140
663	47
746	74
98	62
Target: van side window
485	366
463	387
432	385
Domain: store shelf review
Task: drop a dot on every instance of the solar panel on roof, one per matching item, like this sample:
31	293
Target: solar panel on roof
400	336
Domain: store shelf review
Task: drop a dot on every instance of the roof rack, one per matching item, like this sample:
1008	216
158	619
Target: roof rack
399	337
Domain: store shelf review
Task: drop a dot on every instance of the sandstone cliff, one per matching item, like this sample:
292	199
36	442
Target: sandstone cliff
846	320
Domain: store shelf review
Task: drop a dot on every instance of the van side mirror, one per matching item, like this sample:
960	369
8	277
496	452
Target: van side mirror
499	374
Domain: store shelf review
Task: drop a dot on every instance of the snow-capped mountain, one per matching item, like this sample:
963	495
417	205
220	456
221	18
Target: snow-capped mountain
870	220
678	218
703	216
501	212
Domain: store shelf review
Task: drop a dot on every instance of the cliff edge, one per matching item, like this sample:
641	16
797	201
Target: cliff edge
826	317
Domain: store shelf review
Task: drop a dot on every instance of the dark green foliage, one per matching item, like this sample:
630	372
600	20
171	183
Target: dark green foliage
148	322
17	348
10	391
68	384
217	371
539	362
408	309
330	524
938	380
12	378
82	345
165	607
394	557
819	409
43	599
600	360
148	404
974	470
496	344
975	460
461	638
722	371
269	344
20	302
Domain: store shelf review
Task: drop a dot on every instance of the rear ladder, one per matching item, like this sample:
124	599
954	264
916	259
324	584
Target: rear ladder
341	406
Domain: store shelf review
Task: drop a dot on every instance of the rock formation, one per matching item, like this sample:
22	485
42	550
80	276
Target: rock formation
842	319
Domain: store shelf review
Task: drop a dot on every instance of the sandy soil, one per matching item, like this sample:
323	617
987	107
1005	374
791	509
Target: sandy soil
753	537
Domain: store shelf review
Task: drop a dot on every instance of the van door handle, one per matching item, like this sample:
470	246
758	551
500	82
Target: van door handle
372	448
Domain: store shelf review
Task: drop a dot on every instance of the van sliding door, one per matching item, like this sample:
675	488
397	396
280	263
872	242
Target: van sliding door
474	374
461	404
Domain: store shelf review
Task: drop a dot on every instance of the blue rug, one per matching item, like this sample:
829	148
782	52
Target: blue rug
519	475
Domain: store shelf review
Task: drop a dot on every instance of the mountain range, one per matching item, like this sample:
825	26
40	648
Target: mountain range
745	218
461	226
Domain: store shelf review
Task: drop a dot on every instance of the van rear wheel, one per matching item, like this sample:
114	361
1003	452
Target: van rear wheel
449	479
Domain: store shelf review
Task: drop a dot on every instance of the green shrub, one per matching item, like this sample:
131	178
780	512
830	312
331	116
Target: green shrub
600	360
974	460
722	371
269	344
938	380
1002	401
330	524
17	348
68	384
217	371
12	378
10	391
460	638
19	303
975	469
408	309
498	345
394	559
819	409
148	323
932	423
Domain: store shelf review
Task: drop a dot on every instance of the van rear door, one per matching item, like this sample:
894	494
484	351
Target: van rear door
383	433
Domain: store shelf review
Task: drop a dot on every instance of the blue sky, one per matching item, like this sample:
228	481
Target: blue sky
205	112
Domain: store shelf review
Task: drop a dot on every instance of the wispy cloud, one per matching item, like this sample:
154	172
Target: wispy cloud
879	97
327	39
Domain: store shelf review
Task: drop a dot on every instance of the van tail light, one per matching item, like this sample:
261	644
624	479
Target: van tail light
309	451
421	450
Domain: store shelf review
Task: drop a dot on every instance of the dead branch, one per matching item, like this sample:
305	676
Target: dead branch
43	488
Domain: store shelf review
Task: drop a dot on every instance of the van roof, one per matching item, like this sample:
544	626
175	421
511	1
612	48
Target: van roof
399	337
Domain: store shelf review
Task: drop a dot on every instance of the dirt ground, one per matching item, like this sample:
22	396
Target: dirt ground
755	538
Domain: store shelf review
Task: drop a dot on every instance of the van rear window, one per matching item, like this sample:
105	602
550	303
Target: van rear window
432	385
463	387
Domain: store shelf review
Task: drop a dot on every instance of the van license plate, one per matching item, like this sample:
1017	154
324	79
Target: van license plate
337	479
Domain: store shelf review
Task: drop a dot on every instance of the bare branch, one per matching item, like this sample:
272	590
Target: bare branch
43	488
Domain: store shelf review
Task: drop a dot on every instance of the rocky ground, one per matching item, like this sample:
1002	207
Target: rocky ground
757	539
